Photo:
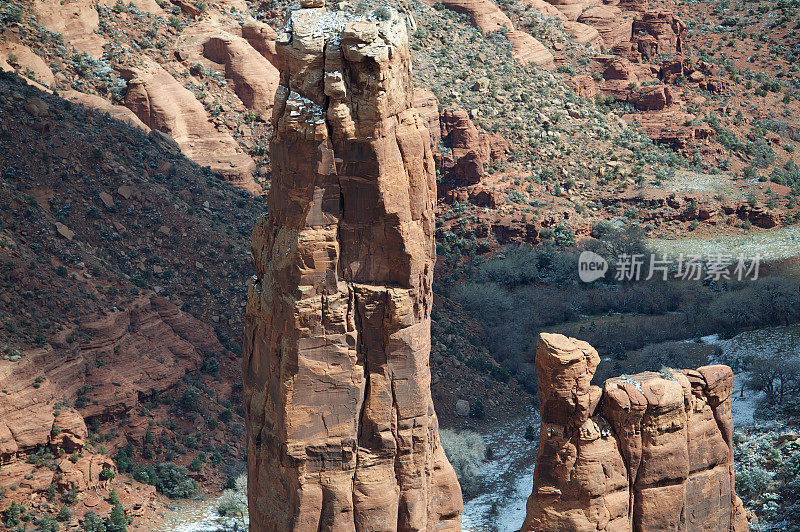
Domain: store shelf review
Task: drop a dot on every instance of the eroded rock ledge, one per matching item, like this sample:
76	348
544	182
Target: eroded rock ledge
646	452
342	434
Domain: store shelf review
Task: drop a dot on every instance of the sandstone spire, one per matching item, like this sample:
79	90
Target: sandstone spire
342	434
647	452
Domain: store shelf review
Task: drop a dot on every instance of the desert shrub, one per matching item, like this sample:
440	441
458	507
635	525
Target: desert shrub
190	400
64	514
173	481
382	13
210	365
465	450
234	500
477	409
116	521
490	300
13	515
514	266
197	462
47	524
12	12
530	433
92	523
751	482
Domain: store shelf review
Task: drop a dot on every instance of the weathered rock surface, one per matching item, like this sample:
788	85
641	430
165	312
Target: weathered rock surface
27	62
254	78
582	33
162	103
262	37
131	354
658	33
668	127
116	112
342	434
573	8
427	105
610	22
76	21
646	452
471	149
173	343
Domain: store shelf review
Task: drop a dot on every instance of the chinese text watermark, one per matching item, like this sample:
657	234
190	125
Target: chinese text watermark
635	267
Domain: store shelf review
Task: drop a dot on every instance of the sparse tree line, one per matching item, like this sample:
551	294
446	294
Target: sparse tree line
523	290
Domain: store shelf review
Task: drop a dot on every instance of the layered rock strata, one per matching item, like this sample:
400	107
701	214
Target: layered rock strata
342	434
163	104
646	452
126	358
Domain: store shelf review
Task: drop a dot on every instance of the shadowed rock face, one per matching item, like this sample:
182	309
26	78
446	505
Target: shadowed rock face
342	434
646	452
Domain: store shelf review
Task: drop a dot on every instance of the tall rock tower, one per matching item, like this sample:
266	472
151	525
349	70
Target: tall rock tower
646	452
342	434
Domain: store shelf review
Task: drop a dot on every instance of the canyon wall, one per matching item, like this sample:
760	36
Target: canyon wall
342	434
646	452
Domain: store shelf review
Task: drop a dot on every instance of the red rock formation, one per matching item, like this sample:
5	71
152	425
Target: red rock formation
651	97
116	112
582	33
147	348
75	21
584	86
610	22
573	8
658	33
342	433
261	37
545	8
471	149
254	78
27	62
162	103
670	127
426	103
651	451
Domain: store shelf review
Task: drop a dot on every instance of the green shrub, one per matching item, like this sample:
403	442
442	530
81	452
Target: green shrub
190	400
11	13
476	409
107	474
382	13
173	481
13	516
92	523
64	514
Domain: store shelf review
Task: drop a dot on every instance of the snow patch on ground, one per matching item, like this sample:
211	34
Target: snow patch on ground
508	478
196	515
771	340
771	245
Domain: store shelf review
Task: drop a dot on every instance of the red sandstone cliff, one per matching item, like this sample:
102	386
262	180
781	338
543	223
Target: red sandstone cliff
342	433
646	452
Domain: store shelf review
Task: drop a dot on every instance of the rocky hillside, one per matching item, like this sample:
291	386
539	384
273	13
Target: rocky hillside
549	118
122	266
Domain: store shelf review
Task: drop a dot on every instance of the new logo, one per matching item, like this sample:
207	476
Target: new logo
591	266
